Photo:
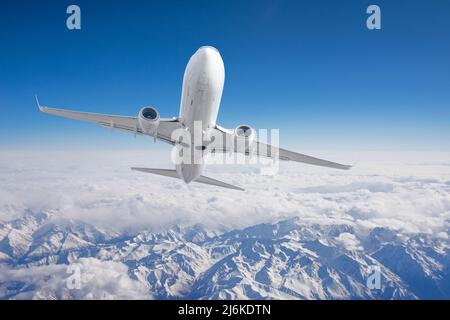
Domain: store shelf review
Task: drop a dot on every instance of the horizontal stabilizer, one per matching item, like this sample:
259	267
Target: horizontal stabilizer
162	172
202	179
206	180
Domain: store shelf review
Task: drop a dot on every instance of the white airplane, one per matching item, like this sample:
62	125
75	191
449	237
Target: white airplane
200	100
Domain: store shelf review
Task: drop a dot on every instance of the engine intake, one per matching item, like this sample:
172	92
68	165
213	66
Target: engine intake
245	137
149	120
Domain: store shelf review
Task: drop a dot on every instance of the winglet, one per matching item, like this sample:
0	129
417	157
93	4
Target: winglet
39	105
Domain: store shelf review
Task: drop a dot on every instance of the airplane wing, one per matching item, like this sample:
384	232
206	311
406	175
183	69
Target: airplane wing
265	150
125	123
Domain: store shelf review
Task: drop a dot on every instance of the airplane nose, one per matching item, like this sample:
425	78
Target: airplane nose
209	49
209	59
209	54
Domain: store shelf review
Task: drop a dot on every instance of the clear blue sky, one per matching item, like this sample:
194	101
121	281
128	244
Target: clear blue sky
310	68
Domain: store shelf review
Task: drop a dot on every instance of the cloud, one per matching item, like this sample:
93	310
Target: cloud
89	278
406	193
349	241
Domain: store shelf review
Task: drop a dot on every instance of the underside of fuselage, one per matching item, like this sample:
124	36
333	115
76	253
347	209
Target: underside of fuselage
200	101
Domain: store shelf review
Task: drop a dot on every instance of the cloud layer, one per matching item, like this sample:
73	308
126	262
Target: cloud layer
409	193
89	278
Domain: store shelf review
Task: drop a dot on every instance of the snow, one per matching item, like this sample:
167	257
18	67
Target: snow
306	233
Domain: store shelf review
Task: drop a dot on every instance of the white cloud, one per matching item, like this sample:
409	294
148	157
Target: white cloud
349	241
409	193
97	280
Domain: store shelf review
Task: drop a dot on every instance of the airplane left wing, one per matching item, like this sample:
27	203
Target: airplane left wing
125	123
261	149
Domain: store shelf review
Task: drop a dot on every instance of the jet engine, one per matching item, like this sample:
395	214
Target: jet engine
149	119
245	137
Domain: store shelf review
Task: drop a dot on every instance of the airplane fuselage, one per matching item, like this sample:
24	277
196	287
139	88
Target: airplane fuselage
200	99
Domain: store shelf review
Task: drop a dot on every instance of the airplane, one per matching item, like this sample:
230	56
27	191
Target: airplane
201	94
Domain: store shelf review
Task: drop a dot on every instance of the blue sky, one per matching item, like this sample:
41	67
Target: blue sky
310	68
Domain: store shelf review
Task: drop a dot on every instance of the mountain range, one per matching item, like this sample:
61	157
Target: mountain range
286	259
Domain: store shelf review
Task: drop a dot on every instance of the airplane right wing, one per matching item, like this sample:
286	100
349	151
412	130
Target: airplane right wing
125	123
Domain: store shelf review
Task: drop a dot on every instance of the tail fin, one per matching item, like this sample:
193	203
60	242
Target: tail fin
202	179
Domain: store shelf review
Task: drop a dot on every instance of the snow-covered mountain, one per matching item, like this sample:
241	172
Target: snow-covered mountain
82	226
289	259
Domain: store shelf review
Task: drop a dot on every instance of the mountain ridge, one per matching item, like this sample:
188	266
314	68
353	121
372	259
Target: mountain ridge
287	259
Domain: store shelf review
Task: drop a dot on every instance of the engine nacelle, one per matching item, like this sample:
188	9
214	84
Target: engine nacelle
244	138
149	119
